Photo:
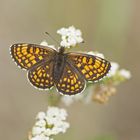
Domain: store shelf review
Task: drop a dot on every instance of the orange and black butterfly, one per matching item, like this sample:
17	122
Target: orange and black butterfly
47	67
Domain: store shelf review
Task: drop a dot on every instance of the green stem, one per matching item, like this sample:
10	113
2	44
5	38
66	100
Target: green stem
53	98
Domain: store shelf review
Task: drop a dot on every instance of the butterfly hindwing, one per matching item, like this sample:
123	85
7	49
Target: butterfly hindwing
41	76
27	55
70	82
91	67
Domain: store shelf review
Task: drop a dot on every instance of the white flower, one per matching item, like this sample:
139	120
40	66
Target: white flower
50	123
56	113
96	54
65	43
45	43
37	130
114	69
125	73
40	123
41	137
70	36
59	127
41	116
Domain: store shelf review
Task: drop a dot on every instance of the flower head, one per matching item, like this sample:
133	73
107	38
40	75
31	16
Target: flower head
114	69
41	137
103	92
125	73
70	36
49	124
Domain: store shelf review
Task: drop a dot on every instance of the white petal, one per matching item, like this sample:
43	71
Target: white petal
72	41
79	39
70	36
64	43
114	69
41	115
37	130
44	43
41	123
125	73
40	137
96	54
78	32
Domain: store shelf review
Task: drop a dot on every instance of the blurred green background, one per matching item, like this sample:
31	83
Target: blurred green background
111	27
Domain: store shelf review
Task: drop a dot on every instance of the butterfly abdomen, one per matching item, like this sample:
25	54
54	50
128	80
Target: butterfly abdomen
59	64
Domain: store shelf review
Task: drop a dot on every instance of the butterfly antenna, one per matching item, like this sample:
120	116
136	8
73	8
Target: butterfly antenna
52	38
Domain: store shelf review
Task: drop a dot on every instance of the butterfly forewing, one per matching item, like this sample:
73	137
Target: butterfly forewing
27	55
91	67
71	81
40	76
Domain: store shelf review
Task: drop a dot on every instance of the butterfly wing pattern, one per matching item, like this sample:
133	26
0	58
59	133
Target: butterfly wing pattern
40	61
40	76
36	60
71	82
27	55
93	68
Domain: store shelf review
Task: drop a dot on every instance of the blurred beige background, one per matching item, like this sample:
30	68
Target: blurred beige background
109	26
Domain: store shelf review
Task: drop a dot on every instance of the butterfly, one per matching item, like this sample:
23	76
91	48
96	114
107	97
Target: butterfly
68	72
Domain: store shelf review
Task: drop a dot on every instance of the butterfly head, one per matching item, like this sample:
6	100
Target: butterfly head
61	50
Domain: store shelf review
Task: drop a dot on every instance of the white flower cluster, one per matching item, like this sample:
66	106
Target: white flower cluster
49	124
70	36
114	69
125	73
